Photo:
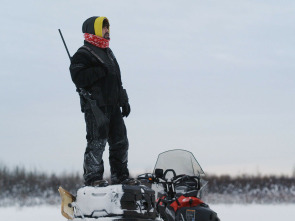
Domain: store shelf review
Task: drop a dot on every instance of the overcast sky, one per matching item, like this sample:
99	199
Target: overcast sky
212	77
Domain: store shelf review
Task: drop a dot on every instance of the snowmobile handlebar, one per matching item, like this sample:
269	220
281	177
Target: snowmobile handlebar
167	171
156	178
147	176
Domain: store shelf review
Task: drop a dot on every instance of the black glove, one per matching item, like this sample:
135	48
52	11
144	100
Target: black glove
124	103
126	109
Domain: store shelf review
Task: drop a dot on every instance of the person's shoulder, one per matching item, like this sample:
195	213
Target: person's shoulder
111	53
83	50
81	53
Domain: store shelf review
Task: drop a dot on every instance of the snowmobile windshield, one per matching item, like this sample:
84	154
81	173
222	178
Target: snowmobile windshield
181	161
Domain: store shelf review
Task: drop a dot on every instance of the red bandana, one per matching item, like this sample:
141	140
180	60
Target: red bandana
97	41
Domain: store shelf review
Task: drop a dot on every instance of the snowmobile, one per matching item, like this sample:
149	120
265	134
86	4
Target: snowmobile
177	179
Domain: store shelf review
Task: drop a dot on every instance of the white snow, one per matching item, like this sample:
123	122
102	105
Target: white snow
40	213
254	212
251	212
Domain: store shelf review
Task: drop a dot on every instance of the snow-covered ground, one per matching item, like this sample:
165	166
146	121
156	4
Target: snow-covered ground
226	213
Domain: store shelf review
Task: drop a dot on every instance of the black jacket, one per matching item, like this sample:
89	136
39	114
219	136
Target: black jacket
102	80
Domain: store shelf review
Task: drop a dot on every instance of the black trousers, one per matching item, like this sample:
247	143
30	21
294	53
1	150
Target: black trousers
118	146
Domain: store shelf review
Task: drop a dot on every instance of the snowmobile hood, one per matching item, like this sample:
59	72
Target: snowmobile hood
93	25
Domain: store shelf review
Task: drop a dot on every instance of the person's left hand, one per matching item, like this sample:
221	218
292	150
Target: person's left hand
126	109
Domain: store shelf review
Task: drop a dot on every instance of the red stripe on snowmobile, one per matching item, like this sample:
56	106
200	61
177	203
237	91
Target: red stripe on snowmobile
185	202
161	203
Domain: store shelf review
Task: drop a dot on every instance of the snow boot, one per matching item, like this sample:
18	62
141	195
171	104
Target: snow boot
100	183
97	183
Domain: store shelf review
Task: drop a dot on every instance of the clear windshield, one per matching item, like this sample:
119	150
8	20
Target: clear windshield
181	161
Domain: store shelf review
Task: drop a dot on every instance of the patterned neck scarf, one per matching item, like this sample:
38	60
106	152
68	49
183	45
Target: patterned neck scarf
97	41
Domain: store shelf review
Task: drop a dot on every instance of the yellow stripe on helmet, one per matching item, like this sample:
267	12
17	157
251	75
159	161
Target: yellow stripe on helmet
98	26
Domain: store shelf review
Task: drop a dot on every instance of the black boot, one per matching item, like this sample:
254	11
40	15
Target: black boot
131	181
97	183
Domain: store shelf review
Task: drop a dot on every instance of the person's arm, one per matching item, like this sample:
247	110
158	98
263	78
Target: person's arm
83	72
123	100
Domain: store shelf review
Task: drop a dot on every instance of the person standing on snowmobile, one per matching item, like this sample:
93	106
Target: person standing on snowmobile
94	69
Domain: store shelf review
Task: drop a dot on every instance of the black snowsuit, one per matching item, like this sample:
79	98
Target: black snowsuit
103	82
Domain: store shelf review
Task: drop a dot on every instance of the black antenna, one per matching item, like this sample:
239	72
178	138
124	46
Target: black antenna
65	44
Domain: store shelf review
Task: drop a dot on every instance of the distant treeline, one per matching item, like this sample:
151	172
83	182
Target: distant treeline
26	188
250	189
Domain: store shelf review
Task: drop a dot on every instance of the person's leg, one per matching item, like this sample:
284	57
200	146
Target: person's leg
93	162
118	151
